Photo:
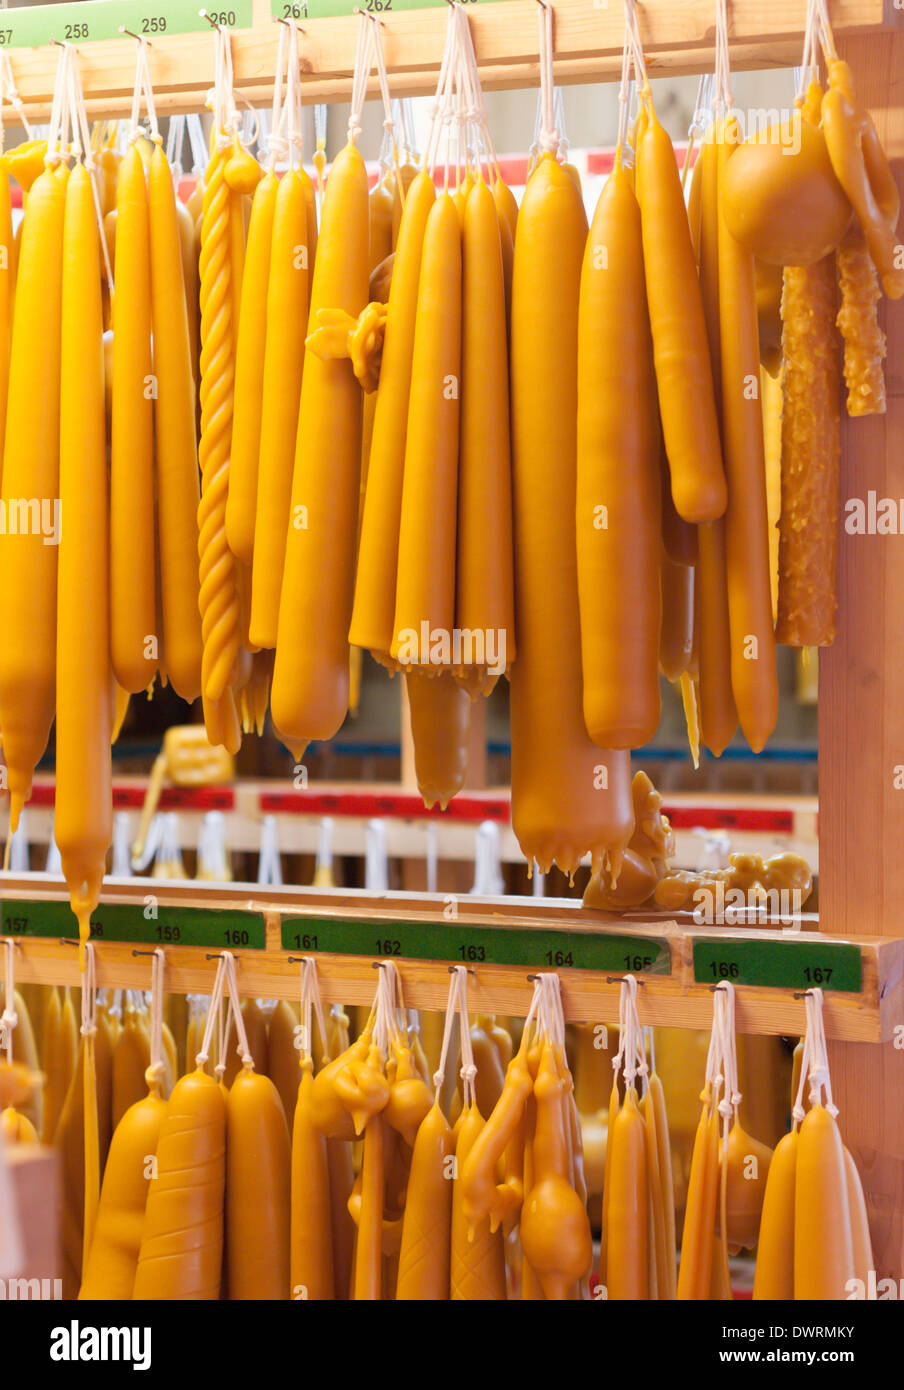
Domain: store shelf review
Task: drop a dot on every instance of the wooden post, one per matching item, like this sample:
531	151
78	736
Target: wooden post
861	728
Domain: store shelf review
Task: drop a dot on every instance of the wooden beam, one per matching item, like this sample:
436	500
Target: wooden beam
678	38
861	730
675	1000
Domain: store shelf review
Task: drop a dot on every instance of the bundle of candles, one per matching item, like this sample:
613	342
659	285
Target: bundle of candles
217	1149
468	438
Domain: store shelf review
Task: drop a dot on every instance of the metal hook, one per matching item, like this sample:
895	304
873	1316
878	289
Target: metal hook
288	23
620	980
803	994
469	971
69	941
214	955
297	960
139	38
143	953
202	14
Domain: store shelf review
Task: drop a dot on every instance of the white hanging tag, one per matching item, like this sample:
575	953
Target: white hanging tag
18	846
431	856
269	865
376	865
122	846
53	864
213	863
488	880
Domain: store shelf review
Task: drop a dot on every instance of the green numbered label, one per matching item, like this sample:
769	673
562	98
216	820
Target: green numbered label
87	20
331	9
130	922
788	964
472	945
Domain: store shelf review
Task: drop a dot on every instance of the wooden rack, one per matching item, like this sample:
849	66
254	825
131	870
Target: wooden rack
423	934
861	726
678	38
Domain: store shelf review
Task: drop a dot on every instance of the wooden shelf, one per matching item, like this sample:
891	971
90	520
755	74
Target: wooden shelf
677	999
755	824
678	38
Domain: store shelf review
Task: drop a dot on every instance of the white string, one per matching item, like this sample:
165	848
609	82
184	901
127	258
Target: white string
562	149
9	1018
214	1009
477	111
818	1053
724	1032
231	982
723	99
448	1024
554	1016
10	93
437	107
826	37
385	1023
227	118
175	138
89	993
81	148
293	102
142	89
630	1059
59	109
277	143
549	136
224	1034
196	144
624	90
148	90
156	1071
363	64
632	33
380	62
468	1072
311	1004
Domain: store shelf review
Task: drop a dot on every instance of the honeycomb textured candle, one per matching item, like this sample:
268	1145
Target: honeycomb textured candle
811	451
